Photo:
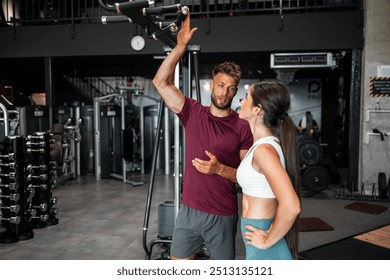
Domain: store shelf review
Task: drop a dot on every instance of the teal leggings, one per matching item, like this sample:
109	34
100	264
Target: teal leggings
278	251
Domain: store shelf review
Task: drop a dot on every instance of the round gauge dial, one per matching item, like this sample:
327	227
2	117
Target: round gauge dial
137	43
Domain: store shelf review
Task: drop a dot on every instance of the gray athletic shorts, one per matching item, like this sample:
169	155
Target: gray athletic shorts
195	228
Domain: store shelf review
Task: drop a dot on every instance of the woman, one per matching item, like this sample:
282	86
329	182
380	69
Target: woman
269	175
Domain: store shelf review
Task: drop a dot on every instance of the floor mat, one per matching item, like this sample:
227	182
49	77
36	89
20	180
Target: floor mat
313	224
358	247
366	207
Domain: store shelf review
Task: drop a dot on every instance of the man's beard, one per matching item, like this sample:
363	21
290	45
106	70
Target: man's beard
221	107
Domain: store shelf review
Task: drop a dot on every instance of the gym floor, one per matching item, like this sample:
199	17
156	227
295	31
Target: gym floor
103	220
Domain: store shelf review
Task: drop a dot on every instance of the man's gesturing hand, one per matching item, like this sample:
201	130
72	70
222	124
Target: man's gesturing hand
211	166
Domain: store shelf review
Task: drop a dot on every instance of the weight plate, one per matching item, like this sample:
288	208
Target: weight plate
310	152
315	179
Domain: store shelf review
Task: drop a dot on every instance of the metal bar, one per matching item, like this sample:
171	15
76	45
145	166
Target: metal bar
123	127
167	142
78	144
354	118
176	170
49	86
152	176
6	122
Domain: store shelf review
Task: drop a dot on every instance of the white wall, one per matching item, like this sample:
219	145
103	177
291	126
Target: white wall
374	155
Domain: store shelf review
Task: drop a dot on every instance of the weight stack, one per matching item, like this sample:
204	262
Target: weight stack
166	218
41	175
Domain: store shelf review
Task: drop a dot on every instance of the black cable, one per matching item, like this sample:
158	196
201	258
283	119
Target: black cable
151	181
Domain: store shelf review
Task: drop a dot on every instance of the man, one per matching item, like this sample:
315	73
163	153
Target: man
307	125
208	214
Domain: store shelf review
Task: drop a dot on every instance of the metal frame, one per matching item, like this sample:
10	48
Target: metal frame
179	146
5	119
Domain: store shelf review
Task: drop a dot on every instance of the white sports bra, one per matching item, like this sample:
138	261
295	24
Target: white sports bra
254	183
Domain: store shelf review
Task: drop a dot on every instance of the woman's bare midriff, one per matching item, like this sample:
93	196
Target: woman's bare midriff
258	208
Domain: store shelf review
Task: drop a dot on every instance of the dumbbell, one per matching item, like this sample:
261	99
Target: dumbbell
41	186
41	207
41	167
42	218
11	165
41	144
41	150
42	177
10	156
13	196
12	186
35	137
12	220
11	175
12	208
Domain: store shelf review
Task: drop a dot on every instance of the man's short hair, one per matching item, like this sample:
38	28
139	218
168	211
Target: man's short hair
229	68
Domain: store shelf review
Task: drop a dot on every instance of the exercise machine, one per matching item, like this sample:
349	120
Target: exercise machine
109	112
147	131
141	13
66	150
144	14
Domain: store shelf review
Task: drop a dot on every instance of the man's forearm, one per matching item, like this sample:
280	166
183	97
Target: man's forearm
227	172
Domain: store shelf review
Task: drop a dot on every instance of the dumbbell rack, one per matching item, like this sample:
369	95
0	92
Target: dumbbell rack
27	178
16	219
41	176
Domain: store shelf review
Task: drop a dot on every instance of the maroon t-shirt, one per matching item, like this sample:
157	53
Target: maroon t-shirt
224	137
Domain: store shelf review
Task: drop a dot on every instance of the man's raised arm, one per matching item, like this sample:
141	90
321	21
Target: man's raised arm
164	79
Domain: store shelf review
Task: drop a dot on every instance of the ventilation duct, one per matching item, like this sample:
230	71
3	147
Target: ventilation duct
302	60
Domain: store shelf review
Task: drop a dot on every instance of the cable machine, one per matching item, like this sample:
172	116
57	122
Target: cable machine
141	13
110	112
168	210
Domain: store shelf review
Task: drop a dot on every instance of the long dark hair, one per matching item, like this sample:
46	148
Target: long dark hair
274	99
